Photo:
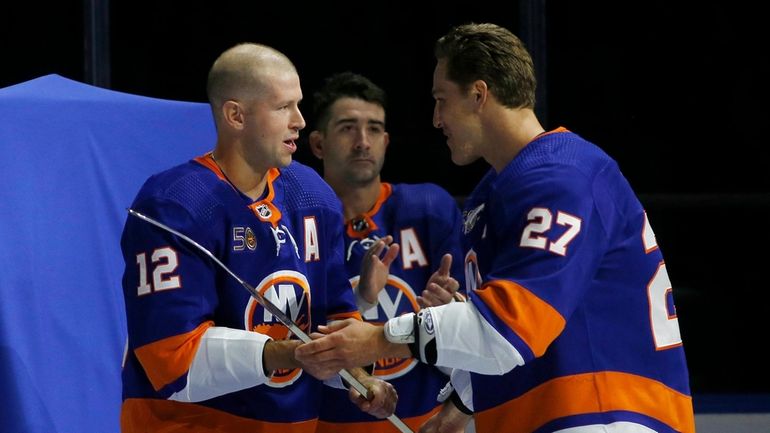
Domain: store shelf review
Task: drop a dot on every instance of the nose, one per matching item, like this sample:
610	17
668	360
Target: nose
362	139
436	116
297	121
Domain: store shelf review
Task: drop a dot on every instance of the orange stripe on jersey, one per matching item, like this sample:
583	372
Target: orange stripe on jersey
589	393
167	359
553	131
385	190
532	319
382	426
165	416
342	316
207	161
264	209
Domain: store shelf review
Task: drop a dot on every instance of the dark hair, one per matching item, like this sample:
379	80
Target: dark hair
493	54
342	85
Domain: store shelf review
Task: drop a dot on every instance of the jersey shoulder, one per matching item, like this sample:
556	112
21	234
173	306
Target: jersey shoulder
188	185
304	188
429	197
561	156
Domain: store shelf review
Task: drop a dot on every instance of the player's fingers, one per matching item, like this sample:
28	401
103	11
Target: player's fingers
422	302
336	325
440	292
390	255
446	265
451	285
428	300
375	249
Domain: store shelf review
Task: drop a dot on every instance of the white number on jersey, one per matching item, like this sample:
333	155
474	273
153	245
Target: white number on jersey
665	326
165	262
540	221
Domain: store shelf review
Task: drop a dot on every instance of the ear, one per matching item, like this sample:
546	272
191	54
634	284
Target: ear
316	144
480	93
386	140
233	114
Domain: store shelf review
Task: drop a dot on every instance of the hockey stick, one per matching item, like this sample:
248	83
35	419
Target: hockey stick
273	309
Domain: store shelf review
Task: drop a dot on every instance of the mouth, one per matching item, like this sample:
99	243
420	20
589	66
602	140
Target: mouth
361	159
291	145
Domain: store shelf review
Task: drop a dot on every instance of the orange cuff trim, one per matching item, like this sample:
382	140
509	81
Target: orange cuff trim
535	321
166	360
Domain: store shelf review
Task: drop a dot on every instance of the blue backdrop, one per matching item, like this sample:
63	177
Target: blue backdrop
72	157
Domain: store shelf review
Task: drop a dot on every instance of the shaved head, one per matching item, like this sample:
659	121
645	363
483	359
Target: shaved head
240	73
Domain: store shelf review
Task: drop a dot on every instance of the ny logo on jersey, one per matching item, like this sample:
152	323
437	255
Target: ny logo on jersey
290	292
395	299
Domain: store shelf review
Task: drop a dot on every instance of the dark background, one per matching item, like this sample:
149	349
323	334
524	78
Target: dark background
676	93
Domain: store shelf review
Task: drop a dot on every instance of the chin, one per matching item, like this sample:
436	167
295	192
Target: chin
283	162
460	159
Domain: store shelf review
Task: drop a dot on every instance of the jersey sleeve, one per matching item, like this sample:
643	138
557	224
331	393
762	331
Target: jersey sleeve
547	242
169	293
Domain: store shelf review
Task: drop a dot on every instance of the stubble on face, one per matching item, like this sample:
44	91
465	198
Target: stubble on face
350	157
276	120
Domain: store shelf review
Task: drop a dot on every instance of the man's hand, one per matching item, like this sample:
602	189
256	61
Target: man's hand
346	344
449	420
382	395
375	270
441	287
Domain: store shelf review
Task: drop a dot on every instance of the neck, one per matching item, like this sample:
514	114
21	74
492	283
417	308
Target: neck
509	132
241	175
356	199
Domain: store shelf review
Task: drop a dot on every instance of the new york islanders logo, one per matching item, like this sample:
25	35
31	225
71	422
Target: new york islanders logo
395	299
290	292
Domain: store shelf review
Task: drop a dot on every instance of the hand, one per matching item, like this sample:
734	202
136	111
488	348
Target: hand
448	420
382	396
374	271
441	287
346	344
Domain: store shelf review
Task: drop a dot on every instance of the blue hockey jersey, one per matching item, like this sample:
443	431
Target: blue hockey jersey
425	221
287	244
564	264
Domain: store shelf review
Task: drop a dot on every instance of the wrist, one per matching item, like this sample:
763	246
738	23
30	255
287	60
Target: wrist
416	331
362	302
279	354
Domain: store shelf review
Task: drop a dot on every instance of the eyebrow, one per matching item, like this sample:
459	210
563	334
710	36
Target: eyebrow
355	120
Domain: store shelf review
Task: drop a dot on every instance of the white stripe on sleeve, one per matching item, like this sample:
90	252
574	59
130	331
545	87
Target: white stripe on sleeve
227	360
466	341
